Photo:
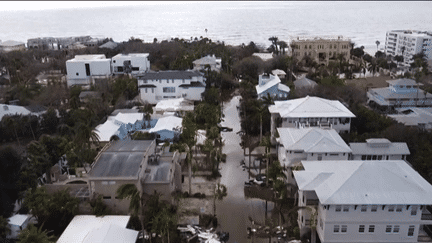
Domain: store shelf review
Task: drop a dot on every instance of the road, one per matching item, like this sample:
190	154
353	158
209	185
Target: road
233	211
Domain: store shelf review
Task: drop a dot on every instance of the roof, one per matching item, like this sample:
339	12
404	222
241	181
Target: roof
278	72
377	146
167	123
310	107
159	173
121	159
113	123
88	57
379	182
109	45
169	75
312	140
269	81
264	56
415	117
210	60
18	219
387	93
403	81
131	55
10	110
304	83
89	228
11	43
174	105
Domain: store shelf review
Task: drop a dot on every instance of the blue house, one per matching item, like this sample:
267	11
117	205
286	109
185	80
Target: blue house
271	85
167	127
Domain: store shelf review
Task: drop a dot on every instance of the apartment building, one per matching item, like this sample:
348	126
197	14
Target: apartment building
162	85
133	63
12	45
321	49
84	69
362	201
407	43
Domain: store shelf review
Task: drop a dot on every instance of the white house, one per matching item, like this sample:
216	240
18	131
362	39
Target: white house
17	223
362	201
215	63
11	45
310	112
414	117
297	144
83	69
157	86
92	229
167	127
379	149
264	56
130	63
271	85
179	105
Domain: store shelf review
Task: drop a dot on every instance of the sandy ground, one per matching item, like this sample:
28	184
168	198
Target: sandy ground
370	82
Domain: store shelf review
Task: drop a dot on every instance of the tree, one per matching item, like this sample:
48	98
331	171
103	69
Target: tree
148	111
282	46
377	43
188	141
274	40
49	122
220	191
10	165
4	228
373	67
137	202
260	108
33	234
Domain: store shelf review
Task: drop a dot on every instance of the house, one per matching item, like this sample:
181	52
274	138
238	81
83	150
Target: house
179	105
310	112
304	83
400	93
167	128
133	63
11	45
109	45
11	110
93	229
133	162
264	56
280	73
121	124
17	223
407	43
271	85
297	144
379	149
362	201
414	117
84	69
321	49
211	61
163	85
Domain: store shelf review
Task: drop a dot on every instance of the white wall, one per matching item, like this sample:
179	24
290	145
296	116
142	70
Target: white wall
76	70
139	61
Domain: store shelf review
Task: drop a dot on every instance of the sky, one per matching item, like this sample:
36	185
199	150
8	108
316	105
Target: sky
46	5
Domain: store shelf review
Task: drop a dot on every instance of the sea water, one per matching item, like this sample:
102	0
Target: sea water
232	22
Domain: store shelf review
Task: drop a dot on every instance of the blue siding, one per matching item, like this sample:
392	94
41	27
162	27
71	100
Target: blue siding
275	92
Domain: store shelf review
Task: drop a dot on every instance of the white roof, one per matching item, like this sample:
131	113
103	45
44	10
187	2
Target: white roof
264	56
278	72
18	219
113	123
131	55
416	117
377	146
209	59
380	182
310	107
312	140
201	136
172	105
11	43
167	123
270	82
89	228
12	110
304	82
88	58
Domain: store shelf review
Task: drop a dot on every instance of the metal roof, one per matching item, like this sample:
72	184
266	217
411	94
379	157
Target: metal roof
272	81
383	182
403	81
310	107
209	59
18	219
379	147
312	140
169	75
304	83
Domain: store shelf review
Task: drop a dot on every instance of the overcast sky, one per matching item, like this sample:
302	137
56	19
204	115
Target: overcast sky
42	5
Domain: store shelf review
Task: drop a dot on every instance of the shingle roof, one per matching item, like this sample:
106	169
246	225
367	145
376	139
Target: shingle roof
312	140
310	107
364	182
169	75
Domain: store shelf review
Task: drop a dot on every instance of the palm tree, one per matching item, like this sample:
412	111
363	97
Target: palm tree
260	108
377	43
33	234
4	227
137	202
219	193
372	67
274	41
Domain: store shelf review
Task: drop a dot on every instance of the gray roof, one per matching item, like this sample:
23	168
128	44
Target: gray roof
11	43
169	75
192	84
388	94
379	147
206	60
304	83
121	159
403	81
109	45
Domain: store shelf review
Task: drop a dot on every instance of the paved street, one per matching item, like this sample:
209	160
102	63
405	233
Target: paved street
233	210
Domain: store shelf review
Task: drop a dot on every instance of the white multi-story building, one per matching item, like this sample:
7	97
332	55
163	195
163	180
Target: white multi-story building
362	201
135	62
157	86
379	149
310	112
84	69
407	43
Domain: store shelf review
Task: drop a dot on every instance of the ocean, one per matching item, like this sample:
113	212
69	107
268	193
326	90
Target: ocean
232	22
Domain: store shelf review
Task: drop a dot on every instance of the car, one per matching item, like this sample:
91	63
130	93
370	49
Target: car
226	129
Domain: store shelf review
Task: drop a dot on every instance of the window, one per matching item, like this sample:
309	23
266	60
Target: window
391	208
399	208
396	229
374	157
172	80
167	81
112	182
152	90
374	208
338	208
369	157
346	208
104	182
77	74
336	228
106	197
379	157
411	230
146	90
343	229
414	210
321	223
371	228
183	81
361	228
363	157
388	229
363	208
168	90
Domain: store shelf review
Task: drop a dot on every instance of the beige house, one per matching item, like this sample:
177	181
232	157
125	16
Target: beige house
133	162
321	49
